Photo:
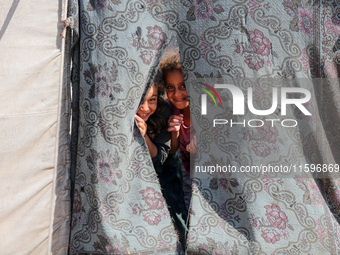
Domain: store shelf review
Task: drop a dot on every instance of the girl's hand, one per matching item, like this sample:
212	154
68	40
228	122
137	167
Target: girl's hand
192	146
141	124
174	123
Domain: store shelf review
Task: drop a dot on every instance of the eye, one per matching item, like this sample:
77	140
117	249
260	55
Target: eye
183	87
169	88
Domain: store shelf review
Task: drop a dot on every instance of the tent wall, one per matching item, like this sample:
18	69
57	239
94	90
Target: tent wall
120	41
34	186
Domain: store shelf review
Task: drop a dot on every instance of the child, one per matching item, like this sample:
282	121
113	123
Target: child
152	116
179	123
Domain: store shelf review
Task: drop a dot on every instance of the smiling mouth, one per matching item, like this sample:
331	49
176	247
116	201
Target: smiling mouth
143	115
180	100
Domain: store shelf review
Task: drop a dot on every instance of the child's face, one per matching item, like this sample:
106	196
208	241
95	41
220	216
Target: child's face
175	89
149	106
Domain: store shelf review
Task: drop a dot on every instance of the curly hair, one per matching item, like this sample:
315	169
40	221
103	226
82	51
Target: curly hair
171	61
156	121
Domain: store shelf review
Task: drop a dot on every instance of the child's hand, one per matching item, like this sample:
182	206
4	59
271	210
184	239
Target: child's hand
141	124
192	146
174	122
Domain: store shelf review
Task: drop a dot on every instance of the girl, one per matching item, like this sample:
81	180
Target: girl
179	124
152	116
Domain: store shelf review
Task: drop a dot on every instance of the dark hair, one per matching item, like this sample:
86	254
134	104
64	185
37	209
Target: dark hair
159	82
156	121
171	61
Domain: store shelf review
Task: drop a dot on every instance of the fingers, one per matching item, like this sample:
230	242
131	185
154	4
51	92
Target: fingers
176	118
141	124
193	149
174	122
192	146
172	129
139	119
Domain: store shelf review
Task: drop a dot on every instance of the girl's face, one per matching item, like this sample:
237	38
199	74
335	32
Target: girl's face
149	105
175	89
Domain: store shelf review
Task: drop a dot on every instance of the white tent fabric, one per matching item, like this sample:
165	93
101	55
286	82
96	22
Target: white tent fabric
34	125
34	154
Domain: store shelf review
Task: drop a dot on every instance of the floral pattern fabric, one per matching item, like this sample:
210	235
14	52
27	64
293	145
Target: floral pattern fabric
118	205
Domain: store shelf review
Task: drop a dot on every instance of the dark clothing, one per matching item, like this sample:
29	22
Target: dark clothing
168	168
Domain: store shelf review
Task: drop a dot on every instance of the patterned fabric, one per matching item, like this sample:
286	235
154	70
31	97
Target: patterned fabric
118	207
